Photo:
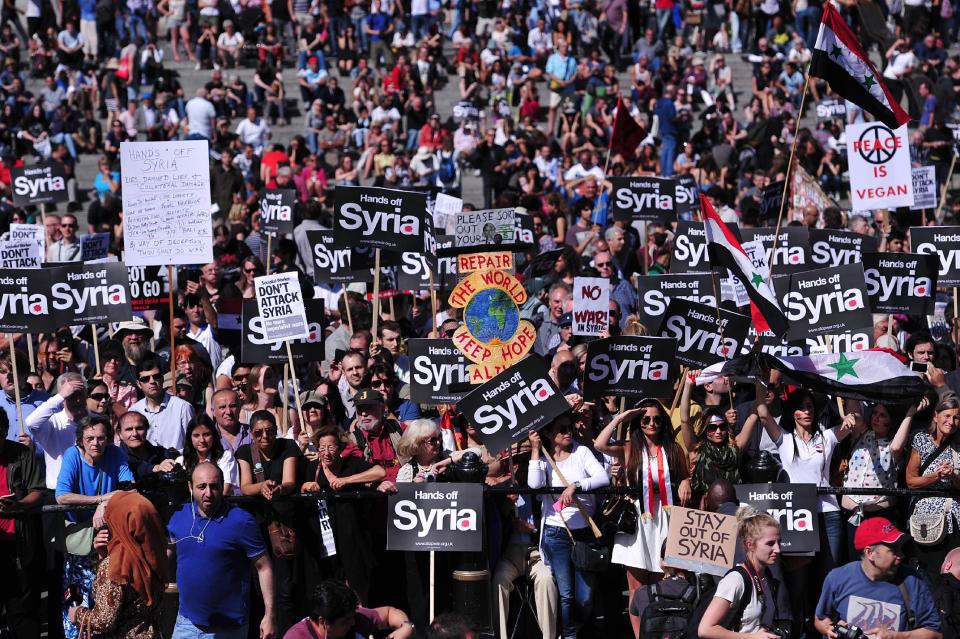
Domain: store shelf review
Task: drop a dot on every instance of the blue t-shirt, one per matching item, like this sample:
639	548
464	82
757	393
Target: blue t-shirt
378	22
872	604
80	478
88	9
229	543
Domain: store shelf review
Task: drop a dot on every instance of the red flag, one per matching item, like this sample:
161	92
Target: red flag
626	135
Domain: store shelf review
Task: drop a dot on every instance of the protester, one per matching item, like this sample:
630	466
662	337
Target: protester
879	577
130	580
760	535
335	613
226	542
560	528
201	444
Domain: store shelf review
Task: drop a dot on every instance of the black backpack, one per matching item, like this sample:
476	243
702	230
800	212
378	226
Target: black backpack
732	620
667	617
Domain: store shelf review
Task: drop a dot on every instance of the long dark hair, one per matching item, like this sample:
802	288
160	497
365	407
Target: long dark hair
190	455
792	403
664	437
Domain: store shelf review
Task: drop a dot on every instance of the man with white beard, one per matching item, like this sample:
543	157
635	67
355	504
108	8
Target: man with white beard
134	336
375	436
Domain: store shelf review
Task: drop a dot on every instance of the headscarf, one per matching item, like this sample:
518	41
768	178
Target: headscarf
137	546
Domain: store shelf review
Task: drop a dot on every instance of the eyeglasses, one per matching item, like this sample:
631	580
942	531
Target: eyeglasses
257	433
249	270
68	226
156	377
98	396
327	449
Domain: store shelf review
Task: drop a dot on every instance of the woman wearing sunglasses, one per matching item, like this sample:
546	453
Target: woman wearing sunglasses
98	401
654	464
269	467
250	268
564	519
715	452
422	448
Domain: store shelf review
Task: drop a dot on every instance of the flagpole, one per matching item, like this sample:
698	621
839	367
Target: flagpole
786	177
946	187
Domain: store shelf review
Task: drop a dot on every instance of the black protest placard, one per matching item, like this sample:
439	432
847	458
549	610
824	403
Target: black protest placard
438	372
413	273
518	400
794	506
689	248
276	211
331	261
25	301
901	282
255	348
834	247
688	196
39	184
90	293
702	338
831	109
793	247
944	242
826	301
433	516
647	198
379	218
630	366
149	290
656	291
771	200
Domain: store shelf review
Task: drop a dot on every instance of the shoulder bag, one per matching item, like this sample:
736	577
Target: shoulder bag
283	539
76	537
929	529
619	514
587	556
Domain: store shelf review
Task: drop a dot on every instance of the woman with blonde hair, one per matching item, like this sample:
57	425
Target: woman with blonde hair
733	613
422	447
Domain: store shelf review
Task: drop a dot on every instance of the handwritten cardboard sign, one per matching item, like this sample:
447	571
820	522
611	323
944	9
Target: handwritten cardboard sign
700	541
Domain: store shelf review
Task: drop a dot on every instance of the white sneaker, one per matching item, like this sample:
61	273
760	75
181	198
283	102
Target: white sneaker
216	67
197	67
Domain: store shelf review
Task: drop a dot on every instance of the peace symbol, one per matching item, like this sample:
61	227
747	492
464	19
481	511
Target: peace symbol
871	147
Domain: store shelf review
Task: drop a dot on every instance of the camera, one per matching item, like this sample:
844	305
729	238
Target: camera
848	632
783	633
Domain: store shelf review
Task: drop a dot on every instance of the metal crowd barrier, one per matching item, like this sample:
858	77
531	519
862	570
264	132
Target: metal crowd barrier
352	495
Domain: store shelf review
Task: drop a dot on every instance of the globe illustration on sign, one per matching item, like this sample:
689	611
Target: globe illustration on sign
492	316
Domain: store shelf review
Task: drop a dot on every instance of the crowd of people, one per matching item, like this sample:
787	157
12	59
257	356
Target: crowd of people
538	86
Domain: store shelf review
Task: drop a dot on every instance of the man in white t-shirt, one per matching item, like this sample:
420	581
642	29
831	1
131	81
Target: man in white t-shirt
254	130
200	116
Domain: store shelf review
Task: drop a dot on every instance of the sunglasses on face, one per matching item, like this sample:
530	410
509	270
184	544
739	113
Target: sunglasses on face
257	433
67	226
249	270
379	383
435	441
156	377
716	426
648	419
98	396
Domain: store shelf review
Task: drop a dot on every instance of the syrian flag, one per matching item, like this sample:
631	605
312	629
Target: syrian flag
725	250
839	59
873	375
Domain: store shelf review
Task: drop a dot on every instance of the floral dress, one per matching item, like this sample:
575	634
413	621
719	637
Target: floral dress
872	465
118	610
923	444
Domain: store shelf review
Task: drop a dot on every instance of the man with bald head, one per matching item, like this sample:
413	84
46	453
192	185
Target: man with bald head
208	537
947	595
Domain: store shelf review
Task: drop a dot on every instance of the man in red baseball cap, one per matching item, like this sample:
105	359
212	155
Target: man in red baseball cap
877	594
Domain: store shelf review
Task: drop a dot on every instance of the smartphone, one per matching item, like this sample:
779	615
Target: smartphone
918	367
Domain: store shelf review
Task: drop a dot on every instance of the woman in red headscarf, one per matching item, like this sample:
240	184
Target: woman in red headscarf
131	579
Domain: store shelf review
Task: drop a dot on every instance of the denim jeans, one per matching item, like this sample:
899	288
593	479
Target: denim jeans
363	38
833	528
67	140
668	153
184	629
663	21
575	587
808	25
